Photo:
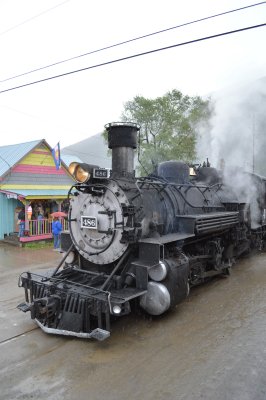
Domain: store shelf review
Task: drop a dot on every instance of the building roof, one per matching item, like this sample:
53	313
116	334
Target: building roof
92	150
11	154
28	170
69	158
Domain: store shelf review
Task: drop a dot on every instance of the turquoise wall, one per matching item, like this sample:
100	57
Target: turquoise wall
7	215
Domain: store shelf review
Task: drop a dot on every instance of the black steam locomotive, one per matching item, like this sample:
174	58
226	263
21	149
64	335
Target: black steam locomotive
142	242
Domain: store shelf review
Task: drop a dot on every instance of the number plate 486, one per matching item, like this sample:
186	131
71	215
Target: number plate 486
88	222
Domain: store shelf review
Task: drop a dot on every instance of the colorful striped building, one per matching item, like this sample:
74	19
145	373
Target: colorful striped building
30	178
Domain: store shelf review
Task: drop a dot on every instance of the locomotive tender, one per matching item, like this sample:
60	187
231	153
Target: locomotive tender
141	242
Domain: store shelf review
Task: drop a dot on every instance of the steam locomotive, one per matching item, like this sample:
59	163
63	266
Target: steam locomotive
142	242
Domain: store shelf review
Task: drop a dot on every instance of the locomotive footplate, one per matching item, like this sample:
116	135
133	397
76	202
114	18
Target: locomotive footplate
65	306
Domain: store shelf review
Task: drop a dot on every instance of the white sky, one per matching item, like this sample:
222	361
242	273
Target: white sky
75	107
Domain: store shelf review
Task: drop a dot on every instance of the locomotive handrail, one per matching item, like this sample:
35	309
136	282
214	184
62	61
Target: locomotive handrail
166	184
202	193
191	184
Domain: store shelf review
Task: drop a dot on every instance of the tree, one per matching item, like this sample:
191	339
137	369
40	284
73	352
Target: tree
168	126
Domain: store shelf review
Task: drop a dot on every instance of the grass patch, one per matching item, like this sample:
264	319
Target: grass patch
39	245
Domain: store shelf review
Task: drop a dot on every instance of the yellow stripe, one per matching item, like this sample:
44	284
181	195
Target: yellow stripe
38	159
42	148
36	187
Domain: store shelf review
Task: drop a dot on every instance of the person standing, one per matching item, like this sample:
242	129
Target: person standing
21	219
40	223
56	230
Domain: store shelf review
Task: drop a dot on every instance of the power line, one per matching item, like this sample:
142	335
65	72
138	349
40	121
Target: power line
132	40
31	18
134	56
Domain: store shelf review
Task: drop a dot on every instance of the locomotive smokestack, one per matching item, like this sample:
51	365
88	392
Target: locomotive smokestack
122	139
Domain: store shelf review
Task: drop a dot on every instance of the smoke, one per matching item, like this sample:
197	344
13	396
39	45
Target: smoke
237	134
236	140
247	190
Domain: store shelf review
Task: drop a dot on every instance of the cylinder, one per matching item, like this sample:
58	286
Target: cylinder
122	139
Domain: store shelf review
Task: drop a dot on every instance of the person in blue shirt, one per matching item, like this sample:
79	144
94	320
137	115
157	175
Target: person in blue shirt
56	230
21	220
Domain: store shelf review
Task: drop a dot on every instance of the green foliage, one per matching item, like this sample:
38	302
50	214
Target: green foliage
168	126
39	244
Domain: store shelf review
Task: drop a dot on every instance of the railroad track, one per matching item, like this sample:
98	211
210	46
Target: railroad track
17	336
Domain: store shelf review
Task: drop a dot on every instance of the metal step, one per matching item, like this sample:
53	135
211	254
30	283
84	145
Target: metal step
24	307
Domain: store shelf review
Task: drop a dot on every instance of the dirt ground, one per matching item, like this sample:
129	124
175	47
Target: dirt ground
211	347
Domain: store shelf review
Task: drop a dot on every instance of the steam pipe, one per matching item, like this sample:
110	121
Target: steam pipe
122	139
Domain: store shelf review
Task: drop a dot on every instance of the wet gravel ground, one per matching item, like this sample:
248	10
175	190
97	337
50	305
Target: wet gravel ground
211	347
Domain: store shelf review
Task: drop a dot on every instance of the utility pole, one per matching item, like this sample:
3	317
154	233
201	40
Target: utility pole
253	143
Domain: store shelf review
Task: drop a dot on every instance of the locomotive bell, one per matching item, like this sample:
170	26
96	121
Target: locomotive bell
122	139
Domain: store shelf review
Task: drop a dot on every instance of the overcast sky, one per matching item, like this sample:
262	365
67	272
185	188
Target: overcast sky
69	109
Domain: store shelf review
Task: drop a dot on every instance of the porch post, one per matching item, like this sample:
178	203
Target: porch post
27	227
59	203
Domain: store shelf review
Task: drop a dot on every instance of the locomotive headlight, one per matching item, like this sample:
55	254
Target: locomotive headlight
71	168
81	175
81	172
117	309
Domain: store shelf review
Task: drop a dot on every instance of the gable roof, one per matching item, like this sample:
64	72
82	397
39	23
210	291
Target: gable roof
12	154
69	158
28	170
92	150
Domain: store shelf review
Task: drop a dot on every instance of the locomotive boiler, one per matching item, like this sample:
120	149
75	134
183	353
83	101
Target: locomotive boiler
141	242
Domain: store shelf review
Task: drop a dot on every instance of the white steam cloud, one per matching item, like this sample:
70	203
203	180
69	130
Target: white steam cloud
238	129
236	141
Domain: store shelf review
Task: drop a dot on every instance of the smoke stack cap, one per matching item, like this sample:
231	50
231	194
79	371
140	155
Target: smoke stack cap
122	134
